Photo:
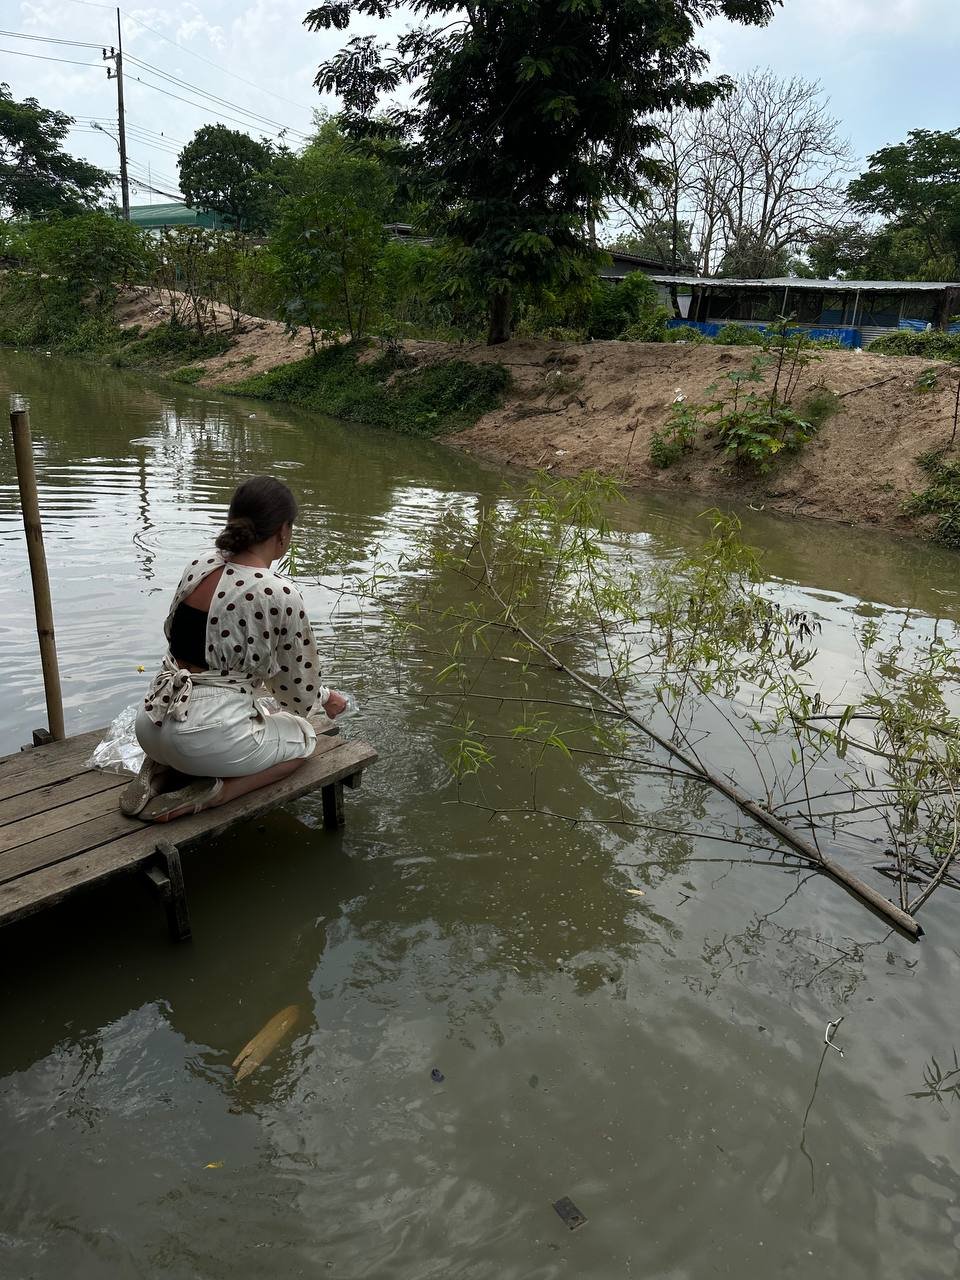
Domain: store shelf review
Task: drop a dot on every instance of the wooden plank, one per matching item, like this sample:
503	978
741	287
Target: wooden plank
32	803
38	854
333	806
84	826
110	857
30	830
42	766
174	892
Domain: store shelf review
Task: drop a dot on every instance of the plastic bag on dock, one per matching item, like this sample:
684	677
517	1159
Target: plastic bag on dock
119	751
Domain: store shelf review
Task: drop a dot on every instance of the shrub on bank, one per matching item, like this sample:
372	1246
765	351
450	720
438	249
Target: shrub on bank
436	398
935	344
941	498
739	335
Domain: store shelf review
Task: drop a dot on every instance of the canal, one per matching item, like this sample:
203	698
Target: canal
493	1014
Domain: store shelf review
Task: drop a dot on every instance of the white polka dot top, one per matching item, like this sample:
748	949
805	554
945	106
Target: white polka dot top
258	640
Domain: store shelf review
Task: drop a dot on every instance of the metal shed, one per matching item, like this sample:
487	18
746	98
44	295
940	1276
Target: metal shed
854	311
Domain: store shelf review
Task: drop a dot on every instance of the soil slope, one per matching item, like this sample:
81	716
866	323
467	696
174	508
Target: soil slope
597	405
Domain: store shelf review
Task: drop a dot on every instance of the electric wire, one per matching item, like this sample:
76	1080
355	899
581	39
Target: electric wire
210	63
224	102
45	57
200	106
24	35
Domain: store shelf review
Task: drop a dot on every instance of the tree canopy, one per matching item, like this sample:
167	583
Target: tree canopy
230	173
37	177
329	236
915	185
525	118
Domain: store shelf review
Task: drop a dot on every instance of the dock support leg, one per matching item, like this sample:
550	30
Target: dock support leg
333	806
167	879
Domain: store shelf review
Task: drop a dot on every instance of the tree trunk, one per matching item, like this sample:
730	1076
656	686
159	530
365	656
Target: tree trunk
500	313
947	305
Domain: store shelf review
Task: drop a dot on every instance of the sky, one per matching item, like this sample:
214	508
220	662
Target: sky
887	66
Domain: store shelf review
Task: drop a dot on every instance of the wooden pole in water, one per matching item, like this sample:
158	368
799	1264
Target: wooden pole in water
43	607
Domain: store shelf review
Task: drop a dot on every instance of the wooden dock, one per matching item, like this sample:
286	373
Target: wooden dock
61	828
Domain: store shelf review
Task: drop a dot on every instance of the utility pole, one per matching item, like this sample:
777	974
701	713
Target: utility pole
116	73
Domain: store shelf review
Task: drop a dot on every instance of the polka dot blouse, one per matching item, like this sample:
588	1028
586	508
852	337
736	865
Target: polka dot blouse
258	639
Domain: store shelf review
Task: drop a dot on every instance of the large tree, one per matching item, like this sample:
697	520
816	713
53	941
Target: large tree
915	185
327	243
230	173
37	177
527	117
756	175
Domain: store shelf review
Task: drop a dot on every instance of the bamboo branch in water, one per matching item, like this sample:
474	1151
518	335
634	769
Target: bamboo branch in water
866	893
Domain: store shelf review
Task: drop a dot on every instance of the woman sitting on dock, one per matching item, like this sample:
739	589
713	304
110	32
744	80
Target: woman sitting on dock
237	633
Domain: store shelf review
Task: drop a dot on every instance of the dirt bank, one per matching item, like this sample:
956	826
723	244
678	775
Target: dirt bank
596	406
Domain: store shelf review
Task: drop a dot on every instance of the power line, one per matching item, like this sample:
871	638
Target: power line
20	53
225	102
221	115
251	83
23	35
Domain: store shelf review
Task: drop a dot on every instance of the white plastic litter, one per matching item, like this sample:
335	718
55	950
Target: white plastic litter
119	751
352	706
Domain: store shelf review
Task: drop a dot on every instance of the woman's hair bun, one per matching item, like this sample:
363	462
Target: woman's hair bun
260	507
239	535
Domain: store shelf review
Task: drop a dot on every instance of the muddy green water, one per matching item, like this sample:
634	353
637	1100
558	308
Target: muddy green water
657	1058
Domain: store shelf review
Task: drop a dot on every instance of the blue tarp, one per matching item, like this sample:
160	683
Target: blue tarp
920	326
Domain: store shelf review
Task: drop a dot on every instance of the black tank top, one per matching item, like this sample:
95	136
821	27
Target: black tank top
188	635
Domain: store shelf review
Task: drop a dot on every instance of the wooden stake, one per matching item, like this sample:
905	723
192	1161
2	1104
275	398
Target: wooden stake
30	506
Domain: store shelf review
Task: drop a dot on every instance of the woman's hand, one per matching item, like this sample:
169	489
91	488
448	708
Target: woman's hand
335	705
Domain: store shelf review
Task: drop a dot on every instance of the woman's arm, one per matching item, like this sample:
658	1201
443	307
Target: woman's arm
296	684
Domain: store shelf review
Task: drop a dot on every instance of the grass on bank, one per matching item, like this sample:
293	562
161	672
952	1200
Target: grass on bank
941	498
429	400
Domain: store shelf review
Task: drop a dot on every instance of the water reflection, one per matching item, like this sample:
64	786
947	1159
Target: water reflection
629	1015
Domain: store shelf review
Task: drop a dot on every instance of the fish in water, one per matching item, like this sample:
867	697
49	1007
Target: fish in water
256	1051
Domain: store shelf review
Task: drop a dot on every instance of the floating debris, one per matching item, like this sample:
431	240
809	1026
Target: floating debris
831	1032
569	1213
437	1076
256	1051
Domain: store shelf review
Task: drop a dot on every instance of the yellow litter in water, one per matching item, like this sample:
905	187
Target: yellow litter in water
214	1164
257	1050
141	669
639	892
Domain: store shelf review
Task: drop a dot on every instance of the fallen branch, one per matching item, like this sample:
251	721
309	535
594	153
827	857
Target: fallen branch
900	918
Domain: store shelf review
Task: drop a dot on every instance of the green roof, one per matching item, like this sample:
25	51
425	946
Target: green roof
174	214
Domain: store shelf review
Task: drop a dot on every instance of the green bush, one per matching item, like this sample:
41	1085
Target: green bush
558	333
935	344
686	333
442	397
189	374
739	335
651	327
615	307
171	344
678	434
941	498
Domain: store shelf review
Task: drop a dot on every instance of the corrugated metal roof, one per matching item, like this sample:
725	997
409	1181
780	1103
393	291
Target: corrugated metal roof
174	214
833	286
617	256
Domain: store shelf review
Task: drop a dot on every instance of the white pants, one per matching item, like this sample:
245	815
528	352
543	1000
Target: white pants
225	736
